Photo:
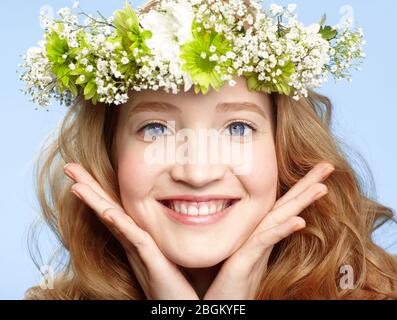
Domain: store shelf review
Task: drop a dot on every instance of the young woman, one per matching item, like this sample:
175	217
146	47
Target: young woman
296	225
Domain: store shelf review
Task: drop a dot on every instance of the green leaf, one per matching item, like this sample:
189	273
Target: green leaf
56	47
73	89
328	33
323	19
128	30
78	71
89	90
252	81
94	99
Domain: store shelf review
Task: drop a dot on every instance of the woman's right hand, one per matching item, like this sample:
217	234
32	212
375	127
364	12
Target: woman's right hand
159	278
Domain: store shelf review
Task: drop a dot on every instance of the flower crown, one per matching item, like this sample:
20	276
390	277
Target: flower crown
189	43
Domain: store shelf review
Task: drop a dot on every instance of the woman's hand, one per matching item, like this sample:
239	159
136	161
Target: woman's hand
241	273
159	278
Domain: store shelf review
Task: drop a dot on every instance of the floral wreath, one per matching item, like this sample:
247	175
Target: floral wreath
185	43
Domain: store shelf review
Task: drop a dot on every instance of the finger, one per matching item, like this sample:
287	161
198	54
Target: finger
102	208
259	246
125	227
319	173
76	172
294	206
147	248
121	224
277	233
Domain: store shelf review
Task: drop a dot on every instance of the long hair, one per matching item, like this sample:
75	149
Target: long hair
311	263
306	265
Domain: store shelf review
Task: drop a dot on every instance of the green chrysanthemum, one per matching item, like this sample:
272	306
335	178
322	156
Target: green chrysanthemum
281	84
196	56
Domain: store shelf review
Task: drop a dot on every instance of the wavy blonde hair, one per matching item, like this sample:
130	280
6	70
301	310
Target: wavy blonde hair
305	265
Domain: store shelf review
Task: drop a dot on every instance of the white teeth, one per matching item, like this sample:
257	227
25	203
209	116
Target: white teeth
183	208
212	208
219	206
198	208
192	210
203	210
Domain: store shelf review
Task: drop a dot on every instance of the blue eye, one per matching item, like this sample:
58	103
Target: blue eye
239	128
154	130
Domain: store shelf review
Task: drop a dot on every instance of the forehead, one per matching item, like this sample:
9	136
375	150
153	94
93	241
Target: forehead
221	100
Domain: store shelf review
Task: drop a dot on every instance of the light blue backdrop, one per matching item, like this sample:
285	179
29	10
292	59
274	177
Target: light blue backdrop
365	117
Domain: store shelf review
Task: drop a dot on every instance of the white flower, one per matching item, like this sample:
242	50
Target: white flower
188	81
276	9
124	60
313	28
170	29
63	12
291	7
76	5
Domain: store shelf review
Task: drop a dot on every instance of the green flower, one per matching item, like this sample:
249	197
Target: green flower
129	32
196	56
61	56
282	81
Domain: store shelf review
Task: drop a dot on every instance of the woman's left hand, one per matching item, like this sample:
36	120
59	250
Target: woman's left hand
240	275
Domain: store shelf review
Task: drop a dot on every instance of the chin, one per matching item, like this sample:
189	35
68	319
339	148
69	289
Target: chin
199	258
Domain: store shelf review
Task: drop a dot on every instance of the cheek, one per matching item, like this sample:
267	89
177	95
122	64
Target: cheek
136	180
261	182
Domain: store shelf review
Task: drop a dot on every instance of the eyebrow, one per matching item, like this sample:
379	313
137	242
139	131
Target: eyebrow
159	106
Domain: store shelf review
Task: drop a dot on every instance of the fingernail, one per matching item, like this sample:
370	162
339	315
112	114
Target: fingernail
299	226
327	171
320	194
69	173
108	218
76	194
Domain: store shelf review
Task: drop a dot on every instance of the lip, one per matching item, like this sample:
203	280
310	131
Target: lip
197	220
202	198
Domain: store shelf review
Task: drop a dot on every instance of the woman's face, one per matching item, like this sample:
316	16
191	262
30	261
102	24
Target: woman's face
174	197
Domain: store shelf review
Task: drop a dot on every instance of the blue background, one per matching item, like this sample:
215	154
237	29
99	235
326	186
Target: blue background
365	113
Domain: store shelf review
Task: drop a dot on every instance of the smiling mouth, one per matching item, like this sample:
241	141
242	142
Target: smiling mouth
198	208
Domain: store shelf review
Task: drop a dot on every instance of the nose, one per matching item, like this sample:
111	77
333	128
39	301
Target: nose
198	175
